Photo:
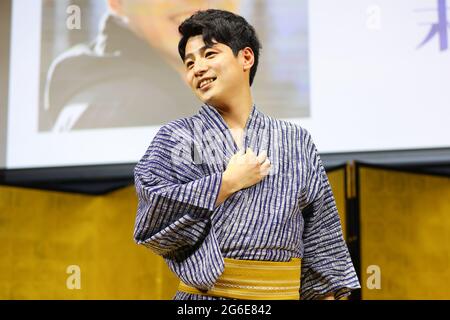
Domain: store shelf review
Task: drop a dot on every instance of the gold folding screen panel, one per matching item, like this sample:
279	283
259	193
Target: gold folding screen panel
405	231
43	233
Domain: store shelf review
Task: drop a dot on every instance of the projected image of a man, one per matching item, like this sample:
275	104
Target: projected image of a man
130	74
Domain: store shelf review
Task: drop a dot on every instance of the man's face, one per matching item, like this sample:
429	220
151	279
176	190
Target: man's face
213	73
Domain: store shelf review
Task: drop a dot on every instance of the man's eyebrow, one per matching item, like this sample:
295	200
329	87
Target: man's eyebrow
190	54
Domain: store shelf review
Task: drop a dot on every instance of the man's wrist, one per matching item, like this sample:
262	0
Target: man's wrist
229	184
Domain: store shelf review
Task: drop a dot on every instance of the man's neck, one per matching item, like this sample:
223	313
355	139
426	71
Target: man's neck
236	112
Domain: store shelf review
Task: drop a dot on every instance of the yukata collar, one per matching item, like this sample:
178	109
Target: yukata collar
215	118
216	122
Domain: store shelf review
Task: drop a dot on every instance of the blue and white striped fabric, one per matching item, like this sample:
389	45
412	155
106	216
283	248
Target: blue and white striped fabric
290	213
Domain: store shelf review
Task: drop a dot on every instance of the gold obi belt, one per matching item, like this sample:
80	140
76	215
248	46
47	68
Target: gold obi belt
255	280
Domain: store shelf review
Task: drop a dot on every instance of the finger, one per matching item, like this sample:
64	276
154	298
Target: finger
266	163
251	156
262	156
250	151
264	171
267	167
240	157
237	157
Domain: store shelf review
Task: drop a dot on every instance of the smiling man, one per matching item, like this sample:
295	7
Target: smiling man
238	203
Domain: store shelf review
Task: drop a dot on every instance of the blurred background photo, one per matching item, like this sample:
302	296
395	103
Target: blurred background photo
119	66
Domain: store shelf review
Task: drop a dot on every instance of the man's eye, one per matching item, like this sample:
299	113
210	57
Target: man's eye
189	65
210	53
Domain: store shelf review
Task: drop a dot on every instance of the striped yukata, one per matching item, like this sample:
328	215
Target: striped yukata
290	213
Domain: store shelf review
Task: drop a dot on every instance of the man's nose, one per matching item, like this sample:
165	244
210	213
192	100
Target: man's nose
200	67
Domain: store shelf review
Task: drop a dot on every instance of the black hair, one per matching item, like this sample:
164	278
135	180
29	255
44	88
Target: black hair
223	27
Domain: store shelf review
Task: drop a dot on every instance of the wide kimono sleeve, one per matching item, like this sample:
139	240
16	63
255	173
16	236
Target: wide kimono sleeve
326	265
175	201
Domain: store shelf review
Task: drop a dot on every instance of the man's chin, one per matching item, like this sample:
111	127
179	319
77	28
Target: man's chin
208	97
207	100
212	102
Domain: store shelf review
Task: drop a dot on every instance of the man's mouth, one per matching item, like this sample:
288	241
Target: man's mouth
205	83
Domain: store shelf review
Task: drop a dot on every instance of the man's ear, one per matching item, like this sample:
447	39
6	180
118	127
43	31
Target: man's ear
116	6
248	58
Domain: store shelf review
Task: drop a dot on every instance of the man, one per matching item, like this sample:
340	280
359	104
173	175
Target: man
238	203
